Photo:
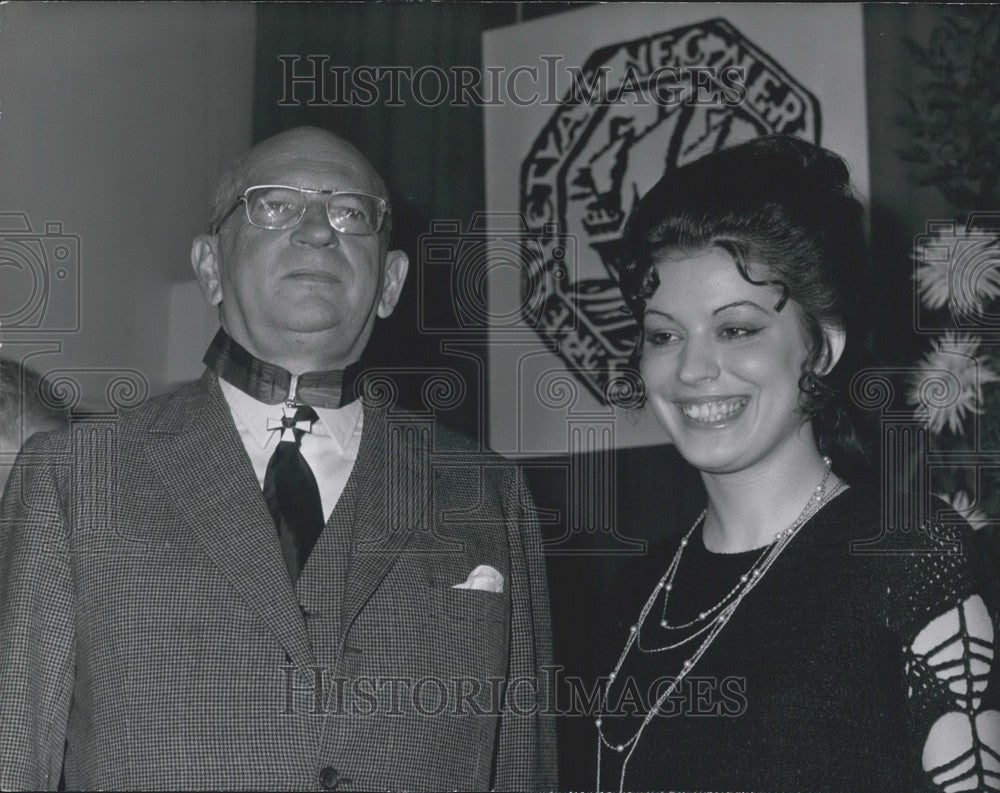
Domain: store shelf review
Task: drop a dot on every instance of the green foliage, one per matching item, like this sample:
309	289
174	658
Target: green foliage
954	123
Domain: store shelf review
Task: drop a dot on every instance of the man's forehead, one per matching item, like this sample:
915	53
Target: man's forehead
326	165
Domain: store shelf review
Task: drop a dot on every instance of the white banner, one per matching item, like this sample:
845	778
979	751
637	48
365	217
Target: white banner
587	110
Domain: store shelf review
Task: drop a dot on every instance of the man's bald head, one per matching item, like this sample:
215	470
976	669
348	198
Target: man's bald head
297	142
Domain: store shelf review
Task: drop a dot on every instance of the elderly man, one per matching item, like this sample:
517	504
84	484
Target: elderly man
260	581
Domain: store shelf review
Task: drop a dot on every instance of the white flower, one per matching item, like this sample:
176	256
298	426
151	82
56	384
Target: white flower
957	269
933	273
962	504
948	385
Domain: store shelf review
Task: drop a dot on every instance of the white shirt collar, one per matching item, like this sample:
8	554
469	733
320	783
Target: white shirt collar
337	423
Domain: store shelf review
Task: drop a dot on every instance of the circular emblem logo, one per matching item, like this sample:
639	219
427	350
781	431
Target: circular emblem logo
634	110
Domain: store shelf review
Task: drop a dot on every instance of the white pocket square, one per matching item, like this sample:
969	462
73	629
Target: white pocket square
484	578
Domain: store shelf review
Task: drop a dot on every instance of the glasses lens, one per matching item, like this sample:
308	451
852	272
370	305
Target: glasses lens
353	213
275	207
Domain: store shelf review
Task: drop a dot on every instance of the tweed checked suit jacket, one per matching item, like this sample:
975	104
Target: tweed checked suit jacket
149	632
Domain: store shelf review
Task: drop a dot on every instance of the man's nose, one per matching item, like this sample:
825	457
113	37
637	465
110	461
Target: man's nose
698	361
314	228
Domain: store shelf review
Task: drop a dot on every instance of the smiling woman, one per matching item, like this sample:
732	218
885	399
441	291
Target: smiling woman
721	366
819	669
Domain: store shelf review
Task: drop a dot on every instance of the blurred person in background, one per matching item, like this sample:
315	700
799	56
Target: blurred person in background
26	407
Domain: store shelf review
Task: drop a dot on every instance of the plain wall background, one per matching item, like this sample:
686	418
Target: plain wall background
115	121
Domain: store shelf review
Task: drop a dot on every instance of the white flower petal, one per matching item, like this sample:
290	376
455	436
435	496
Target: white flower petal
947	386
962	504
957	269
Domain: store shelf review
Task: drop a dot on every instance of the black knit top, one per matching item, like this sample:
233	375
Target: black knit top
853	649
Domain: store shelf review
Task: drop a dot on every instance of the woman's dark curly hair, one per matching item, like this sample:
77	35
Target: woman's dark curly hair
784	210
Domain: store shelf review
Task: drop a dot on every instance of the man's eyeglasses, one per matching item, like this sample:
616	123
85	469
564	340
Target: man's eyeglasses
273	206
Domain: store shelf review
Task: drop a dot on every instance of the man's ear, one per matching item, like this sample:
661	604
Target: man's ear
396	265
205	260
836	338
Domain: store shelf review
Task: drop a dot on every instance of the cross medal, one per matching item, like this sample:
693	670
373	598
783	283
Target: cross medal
288	422
288	410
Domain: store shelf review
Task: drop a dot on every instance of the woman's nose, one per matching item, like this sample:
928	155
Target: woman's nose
698	362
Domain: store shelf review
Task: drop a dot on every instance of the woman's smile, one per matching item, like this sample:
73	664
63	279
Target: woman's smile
713	412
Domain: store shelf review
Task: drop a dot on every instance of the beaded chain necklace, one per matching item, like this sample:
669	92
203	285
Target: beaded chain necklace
723	610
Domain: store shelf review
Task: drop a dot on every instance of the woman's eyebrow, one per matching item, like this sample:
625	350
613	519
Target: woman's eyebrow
739	303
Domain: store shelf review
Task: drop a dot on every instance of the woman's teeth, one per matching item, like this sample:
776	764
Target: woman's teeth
711	412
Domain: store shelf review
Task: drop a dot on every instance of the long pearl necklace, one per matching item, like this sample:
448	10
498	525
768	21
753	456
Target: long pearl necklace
723	610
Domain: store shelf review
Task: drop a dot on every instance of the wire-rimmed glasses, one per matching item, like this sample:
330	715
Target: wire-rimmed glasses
276	207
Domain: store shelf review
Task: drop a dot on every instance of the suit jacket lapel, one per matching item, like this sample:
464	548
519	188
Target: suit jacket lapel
197	451
393	490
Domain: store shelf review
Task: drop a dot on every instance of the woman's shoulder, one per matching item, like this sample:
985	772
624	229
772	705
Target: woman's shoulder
922	558
893	523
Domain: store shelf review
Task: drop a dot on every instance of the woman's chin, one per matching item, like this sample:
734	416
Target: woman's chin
713	451
711	462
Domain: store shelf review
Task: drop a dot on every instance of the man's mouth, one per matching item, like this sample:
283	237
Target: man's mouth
714	412
312	275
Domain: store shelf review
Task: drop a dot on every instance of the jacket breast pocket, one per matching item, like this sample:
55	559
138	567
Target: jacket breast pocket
469	605
470	631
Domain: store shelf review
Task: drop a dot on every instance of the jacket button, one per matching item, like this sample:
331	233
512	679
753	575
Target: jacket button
329	778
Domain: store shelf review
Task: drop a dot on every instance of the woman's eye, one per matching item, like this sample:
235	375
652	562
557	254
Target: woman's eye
738	332
657	338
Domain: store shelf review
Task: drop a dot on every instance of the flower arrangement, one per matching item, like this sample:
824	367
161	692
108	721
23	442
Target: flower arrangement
955	386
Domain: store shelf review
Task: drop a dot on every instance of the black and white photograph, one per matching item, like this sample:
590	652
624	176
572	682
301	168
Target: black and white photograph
500	396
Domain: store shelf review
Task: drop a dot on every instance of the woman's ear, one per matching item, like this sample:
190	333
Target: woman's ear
835	337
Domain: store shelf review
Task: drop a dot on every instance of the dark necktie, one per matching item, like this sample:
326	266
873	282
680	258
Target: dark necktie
291	492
